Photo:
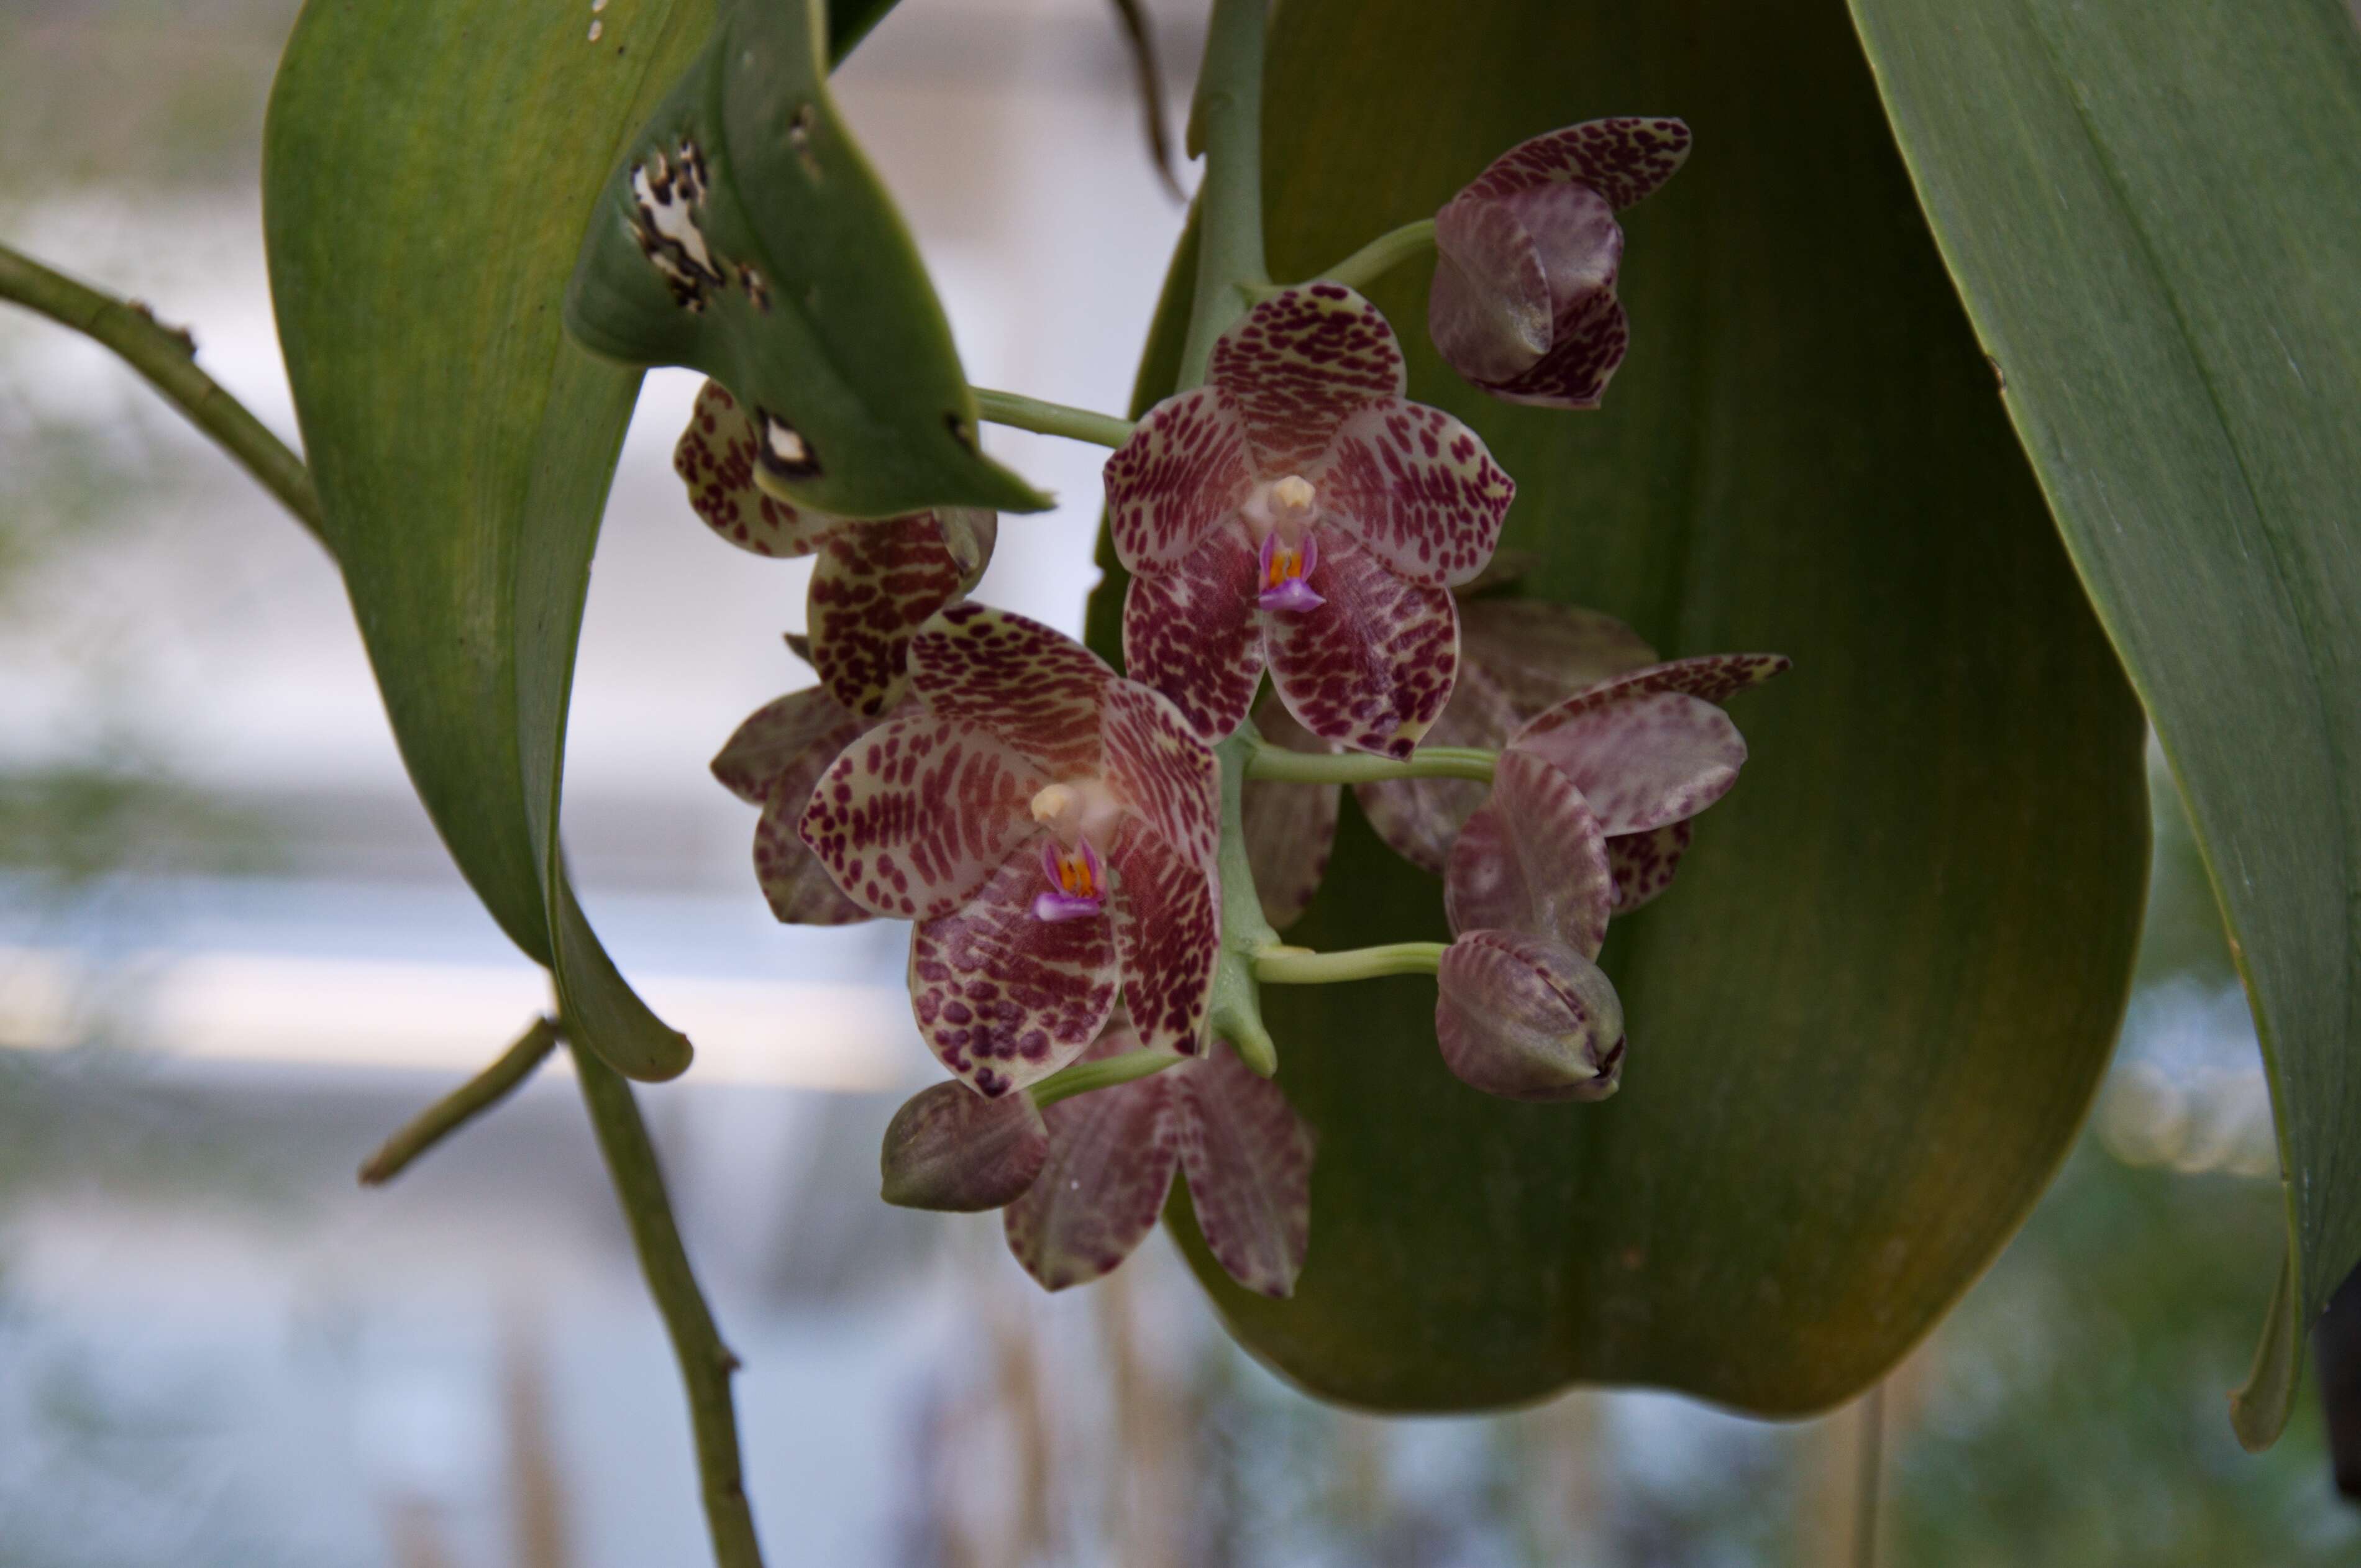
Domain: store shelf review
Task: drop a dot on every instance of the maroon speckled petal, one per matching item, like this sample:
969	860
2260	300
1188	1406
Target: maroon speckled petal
1182	474
714	457
950	1149
1297	364
1168	932
1290	827
777	735
875	585
969	533
913	817
1716	677
1533	861
1164	775
1191	632
1644	864
1035	688
1641	762
1370	668
1112	1155
1622	158
1538	653
1588	343
1247	1157
1418	488
795	883
1489	309
1003	999
1527	1018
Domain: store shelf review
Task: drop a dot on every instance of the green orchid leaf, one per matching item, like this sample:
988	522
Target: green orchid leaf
428	168
1866	1022
743	233
2151	216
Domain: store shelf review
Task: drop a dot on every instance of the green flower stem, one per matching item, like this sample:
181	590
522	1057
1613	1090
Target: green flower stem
706	1364
1378	258
168	359
1279	765
1051	419
1104	1073
1296	966
463	1104
1236	1007
1225	123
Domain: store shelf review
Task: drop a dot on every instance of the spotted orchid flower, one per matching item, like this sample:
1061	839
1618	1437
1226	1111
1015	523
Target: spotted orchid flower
876	581
1051	829
1297	513
1523	301
1112	1154
1643	740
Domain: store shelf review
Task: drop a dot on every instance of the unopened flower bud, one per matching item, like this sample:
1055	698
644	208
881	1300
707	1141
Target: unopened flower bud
1528	1019
949	1148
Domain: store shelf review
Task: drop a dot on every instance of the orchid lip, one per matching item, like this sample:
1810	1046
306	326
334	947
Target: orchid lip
1077	879
1281	569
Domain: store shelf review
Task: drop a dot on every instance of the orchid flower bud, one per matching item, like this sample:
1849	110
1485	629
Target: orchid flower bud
949	1148
1528	1019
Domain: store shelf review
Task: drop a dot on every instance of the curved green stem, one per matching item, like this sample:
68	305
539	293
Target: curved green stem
1279	765
463	1104
1378	258
1225	123
1051	419
1104	1073
1234	1012
1285	966
167	360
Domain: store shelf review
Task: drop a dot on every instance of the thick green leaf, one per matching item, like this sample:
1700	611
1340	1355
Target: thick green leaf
743	234
429	167
1869	1017
2154	216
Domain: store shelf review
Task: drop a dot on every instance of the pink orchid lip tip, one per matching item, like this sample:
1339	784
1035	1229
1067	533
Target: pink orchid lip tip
1281	570
1293	593
1050	908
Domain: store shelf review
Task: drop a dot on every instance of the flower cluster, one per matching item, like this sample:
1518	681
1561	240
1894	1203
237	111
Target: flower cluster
1073	847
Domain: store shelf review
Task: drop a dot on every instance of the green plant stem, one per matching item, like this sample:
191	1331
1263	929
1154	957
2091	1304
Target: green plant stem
167	360
1279	765
1225	123
1105	1073
463	1104
1235	1009
706	1362
1051	419
1379	257
1285	966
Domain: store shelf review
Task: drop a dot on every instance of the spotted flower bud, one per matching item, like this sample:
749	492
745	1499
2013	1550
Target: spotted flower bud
949	1148
1523	302
1297	513
1528	1019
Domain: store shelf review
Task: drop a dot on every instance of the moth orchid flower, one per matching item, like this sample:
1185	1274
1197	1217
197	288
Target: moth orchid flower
1111	1152
1051	827
773	761
1523	301
1297	512
1644	741
876	581
1528	1019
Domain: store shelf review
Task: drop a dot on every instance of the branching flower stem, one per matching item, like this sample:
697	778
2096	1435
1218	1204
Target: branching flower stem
1373	260
167	360
1105	1073
1236	1008
1279	765
1226	125
1299	965
463	1104
1021	412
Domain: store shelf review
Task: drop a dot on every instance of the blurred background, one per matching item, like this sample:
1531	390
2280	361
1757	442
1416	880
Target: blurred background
233	956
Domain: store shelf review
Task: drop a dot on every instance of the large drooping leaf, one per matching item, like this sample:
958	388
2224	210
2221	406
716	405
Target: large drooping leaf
1867	1020
2153	215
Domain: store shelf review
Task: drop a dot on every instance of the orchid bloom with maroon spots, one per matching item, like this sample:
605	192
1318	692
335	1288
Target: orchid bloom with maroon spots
1643	740
1523	302
876	581
1297	512
1112	1154
1051	827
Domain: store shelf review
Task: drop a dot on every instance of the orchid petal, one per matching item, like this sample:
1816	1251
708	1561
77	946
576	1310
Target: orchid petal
1035	688
1537	654
1527	1018
776	735
1182	473
951	1150
794	882
913	817
714	457
1112	1155
1622	158
1247	1157
1169	934
1166	777
1297	364
1190	631
875	585
1533	861
1489	309
1588	339
969	533
1372	667
1644	864
1715	677
1290	827
1641	762
1004	999
1418	487
1419	818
